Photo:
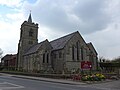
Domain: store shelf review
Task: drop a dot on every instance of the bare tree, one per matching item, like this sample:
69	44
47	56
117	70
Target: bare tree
102	59
1	52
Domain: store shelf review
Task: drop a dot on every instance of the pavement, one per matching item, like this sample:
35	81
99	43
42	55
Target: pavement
62	81
13	83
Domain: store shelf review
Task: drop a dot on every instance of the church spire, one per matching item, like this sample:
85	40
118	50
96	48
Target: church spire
30	18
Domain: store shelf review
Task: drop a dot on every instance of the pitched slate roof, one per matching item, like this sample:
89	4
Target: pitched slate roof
9	56
56	44
61	42
6	57
34	48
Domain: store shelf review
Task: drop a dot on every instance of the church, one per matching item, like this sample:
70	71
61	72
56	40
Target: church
63	54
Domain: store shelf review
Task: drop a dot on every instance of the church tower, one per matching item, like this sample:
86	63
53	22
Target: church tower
28	37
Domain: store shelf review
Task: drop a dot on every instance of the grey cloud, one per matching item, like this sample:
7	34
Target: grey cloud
93	15
55	14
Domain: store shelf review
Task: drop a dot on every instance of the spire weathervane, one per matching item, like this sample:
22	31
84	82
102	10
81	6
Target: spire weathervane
30	18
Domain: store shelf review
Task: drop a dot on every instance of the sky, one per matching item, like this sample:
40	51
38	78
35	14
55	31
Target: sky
98	21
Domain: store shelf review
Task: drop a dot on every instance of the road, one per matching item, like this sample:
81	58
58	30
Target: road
13	83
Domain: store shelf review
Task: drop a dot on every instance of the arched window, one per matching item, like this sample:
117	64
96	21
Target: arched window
60	55
31	33
43	58
30	42
82	53
77	44
47	57
55	55
73	53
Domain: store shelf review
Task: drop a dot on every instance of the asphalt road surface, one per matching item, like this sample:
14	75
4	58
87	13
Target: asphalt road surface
13	83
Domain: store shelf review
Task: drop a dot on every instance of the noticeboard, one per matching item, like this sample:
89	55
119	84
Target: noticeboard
86	65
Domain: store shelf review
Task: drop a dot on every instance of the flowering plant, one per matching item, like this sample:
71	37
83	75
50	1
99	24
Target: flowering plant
93	77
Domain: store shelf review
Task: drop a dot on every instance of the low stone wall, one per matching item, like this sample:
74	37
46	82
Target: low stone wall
55	76
109	75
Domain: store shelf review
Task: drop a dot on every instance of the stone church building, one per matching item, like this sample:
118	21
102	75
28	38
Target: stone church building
62	54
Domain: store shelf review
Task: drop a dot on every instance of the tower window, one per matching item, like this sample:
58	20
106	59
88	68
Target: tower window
30	42
30	33
55	55
60	55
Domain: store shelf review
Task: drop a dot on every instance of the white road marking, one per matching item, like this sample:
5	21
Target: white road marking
13	86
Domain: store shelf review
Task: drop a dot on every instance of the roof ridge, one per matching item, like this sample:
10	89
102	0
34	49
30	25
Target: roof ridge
63	36
34	45
61	42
